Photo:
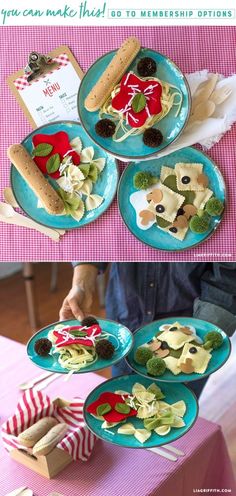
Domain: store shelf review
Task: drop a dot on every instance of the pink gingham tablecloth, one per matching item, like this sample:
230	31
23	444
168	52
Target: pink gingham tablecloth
112	470
107	239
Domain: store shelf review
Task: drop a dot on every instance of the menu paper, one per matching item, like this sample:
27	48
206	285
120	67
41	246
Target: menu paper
52	96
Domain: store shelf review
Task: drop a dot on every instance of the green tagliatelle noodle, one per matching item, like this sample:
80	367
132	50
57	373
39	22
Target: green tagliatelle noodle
171	97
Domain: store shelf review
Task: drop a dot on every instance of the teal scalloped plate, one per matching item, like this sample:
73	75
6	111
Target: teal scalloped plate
105	186
155	237
133	147
173	393
144	334
118	333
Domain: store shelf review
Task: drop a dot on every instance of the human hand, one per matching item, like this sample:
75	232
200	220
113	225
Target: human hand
79	300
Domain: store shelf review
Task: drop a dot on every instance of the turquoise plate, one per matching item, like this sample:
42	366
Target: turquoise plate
173	393
50	362
105	186
171	126
144	334
154	237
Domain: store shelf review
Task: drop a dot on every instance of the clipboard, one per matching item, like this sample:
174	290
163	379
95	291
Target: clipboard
25	92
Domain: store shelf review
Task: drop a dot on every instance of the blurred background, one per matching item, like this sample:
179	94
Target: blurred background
31	295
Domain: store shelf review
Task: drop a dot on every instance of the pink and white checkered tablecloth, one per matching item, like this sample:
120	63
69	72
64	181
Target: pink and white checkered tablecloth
108	239
113	470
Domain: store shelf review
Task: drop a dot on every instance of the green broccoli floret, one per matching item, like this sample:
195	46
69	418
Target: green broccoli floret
143	180
213	339
142	355
198	224
156	366
214	206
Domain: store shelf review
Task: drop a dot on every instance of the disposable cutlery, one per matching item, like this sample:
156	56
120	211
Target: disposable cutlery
220	95
21	491
168	447
56	494
163	453
8	215
205	91
171	449
202	111
43	384
31	383
10	199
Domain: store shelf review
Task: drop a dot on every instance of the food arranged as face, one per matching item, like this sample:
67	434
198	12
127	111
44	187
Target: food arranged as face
178	348
72	169
132	103
116	410
77	346
177	201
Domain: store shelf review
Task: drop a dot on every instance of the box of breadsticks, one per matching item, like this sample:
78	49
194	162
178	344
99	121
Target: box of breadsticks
46	435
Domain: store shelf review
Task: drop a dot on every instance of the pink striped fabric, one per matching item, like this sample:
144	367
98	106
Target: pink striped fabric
34	405
192	48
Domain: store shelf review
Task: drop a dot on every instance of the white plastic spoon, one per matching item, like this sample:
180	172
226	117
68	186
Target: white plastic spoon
10	199
8	215
32	382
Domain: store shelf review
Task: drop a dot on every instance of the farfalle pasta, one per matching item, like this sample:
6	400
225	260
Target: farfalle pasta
116	410
74	169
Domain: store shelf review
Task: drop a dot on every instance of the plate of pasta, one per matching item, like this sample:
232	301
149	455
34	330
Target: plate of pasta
134	101
135	412
77	347
67	165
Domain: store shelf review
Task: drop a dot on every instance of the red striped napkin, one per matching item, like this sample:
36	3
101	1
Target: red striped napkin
34	405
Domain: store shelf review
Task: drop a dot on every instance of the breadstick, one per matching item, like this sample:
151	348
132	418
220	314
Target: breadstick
28	169
31	436
50	440
112	74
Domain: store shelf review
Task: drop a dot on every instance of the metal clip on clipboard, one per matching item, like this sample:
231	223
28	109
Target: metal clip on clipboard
37	65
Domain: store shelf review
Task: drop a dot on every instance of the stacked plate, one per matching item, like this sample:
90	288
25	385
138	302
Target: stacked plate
173	390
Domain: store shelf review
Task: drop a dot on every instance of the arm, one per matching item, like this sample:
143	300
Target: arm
79	300
217	302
